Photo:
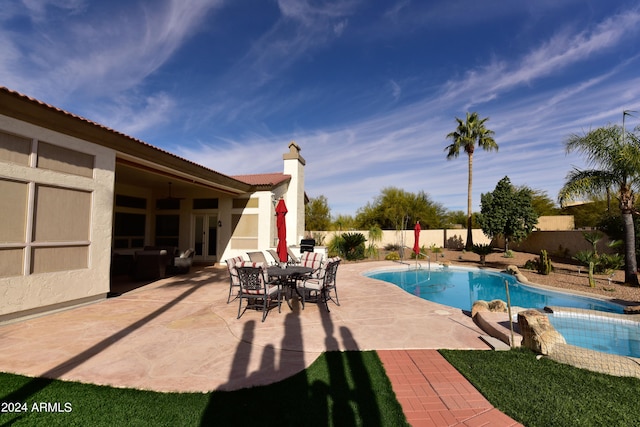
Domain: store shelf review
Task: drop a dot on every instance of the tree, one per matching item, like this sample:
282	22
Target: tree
543	204
507	212
465	137
614	158
396	209
343	222
317	215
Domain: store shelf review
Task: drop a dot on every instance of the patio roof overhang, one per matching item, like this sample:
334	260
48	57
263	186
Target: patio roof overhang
131	152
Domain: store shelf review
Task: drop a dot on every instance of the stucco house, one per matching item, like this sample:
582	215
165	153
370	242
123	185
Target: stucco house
75	194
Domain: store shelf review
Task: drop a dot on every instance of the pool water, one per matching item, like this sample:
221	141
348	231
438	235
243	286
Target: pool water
461	287
615	336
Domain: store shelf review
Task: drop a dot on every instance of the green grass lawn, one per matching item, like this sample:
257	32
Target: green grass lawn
340	388
546	393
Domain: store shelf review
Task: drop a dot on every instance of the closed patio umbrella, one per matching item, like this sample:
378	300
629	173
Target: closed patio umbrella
416	234
281	211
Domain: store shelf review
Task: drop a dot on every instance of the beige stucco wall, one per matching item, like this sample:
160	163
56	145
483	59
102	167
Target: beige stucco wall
440	238
559	243
556	223
31	291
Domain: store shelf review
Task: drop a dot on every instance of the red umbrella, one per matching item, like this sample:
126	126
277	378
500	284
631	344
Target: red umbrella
416	233
281	211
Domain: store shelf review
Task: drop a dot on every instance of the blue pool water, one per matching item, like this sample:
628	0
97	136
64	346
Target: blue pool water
461	287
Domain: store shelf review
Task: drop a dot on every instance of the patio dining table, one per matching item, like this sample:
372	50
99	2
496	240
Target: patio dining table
289	277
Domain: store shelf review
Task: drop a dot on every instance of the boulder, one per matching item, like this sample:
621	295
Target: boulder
632	309
479	306
498	305
515	271
537	332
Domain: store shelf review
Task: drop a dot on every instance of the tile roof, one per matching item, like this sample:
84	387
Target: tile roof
263	179
176	161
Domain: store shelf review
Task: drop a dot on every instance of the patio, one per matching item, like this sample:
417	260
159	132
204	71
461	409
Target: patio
179	334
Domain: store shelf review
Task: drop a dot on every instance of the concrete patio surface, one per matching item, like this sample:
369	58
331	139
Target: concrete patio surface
179	334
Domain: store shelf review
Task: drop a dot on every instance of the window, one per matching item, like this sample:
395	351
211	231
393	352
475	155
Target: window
128	230
14	149
168	204
245	203
167	230
44	227
131	202
205	203
13	205
61	214
64	160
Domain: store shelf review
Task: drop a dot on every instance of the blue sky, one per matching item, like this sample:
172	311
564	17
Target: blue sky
367	88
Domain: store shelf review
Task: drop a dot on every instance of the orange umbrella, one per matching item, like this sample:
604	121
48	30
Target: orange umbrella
416	234
281	211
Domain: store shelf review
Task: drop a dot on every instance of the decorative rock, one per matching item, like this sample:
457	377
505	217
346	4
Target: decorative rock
537	332
515	271
498	305
633	309
479	306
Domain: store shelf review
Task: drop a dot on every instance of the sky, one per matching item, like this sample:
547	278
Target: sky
368	89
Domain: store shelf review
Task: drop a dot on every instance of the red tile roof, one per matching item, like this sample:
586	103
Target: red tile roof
263	179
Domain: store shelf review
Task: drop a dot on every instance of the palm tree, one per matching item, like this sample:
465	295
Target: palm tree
465	137
615	159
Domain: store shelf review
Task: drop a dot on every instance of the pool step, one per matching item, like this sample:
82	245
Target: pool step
494	343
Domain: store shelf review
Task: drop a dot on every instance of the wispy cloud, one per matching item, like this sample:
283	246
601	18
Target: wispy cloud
563	50
80	54
405	146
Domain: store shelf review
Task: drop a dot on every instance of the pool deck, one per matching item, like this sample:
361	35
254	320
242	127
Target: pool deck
179	334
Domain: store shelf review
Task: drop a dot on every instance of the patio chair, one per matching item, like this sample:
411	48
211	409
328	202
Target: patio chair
293	259
321	287
313	260
182	263
256	289
257	257
234	282
274	255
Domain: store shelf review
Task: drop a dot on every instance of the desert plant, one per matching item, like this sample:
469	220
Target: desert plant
353	246
319	238
392	256
588	258
435	250
336	246
483	251
375	235
544	266
508	254
392	247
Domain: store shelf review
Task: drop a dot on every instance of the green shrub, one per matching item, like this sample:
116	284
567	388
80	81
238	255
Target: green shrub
483	251
353	245
392	256
392	247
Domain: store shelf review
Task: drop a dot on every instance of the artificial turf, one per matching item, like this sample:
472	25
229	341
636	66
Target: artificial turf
339	389
546	393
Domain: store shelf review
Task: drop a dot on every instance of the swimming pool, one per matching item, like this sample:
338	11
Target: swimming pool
460	287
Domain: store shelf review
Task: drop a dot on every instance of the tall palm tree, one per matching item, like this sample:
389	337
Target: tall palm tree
615	159
465	137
